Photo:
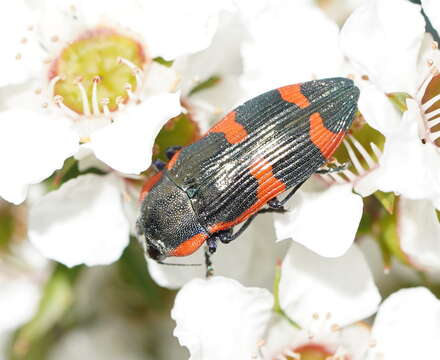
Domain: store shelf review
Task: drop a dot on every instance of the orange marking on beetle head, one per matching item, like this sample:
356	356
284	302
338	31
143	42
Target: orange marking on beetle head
293	94
146	188
190	245
268	188
173	160
234	132
327	141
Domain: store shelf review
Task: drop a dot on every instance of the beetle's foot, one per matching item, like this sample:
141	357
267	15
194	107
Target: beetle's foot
275	204
334	169
159	165
212	245
225	236
169	153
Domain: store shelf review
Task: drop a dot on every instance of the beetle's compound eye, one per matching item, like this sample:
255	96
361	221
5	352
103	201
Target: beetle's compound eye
154	251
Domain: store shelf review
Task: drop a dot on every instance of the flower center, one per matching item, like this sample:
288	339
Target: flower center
311	352
101	68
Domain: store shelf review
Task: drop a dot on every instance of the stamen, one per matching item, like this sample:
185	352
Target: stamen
338	178
376	150
349	175
363	152
353	158
430	102
137	72
85	100
120	102
292	354
432	114
52	84
23	40
434	136
58	99
54	38
95	105
104	102
18	56
127	88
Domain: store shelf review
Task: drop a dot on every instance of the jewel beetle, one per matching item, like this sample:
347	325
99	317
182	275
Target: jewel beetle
269	145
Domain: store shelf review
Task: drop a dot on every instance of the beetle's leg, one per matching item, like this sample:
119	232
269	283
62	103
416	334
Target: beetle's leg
210	249
169	153
328	170
279	204
159	165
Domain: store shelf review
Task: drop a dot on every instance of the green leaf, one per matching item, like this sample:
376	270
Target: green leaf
209	83
162	61
181	130
386	199
399	100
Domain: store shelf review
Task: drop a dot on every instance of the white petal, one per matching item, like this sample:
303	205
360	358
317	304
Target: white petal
18	301
409	167
378	110
173	28
419	233
403	315
342	287
126	145
18	41
221	309
160	79
251	259
325	221
83	222
383	45
281	52
33	145
432	10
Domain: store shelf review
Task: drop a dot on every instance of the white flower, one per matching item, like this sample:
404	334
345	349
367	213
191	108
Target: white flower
95	69
83	222
382	47
323	301
401	316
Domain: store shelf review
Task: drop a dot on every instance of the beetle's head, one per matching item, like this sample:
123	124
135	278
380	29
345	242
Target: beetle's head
168	222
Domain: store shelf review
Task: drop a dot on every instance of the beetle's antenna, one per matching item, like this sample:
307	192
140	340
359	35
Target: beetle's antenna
174	264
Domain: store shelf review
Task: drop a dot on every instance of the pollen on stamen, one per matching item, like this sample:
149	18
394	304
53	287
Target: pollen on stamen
434	45
335	328
18	56
37	91
54	38
23	40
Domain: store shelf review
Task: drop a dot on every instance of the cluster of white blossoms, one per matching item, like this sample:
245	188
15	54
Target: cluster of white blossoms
86	87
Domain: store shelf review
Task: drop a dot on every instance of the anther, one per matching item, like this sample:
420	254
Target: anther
372	343
365	77
45	105
315	316
434	45
335	327
58	100
54	38
37	91
23	40
95	105
18	56
30	27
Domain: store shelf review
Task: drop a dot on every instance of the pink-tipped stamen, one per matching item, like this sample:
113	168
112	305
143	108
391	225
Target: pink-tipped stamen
85	100
95	105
